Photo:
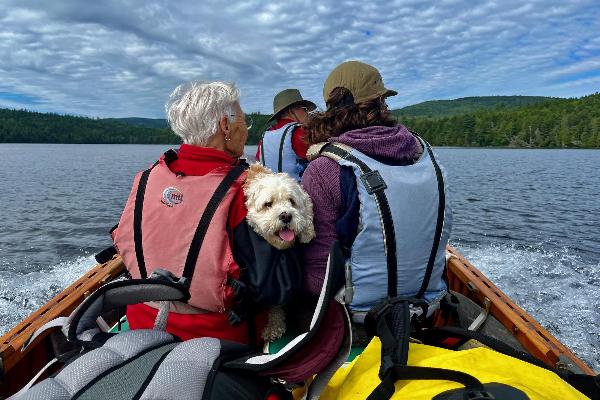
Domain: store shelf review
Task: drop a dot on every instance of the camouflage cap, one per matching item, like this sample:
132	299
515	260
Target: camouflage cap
362	80
287	98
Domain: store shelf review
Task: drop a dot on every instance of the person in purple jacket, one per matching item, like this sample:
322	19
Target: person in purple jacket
378	190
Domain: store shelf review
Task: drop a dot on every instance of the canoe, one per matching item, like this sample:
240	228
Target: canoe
484	307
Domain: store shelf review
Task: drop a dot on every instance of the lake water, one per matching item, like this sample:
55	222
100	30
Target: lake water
529	219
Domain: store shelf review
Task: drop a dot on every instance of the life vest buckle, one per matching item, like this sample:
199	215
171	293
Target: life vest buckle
373	181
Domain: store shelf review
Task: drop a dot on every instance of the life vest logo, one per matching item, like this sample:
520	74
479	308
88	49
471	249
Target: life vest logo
171	197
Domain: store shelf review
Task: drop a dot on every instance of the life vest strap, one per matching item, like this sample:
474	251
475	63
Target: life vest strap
287	130
209	212
137	222
439	225
169	156
375	185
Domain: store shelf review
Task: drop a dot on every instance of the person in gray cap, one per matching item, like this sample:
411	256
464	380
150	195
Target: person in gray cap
283	147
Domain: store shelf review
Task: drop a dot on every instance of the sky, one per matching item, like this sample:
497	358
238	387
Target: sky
111	58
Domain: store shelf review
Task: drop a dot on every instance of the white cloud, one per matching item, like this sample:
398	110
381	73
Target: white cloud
123	58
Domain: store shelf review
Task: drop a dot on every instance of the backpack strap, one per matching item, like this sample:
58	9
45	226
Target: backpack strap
271	364
80	327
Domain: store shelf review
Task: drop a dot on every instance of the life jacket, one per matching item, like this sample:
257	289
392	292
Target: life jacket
277	153
165	225
404	226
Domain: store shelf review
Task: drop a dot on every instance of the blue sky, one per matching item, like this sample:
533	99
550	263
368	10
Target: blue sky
123	58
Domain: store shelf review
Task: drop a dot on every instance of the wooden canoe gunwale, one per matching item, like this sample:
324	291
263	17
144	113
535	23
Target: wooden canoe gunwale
468	280
61	305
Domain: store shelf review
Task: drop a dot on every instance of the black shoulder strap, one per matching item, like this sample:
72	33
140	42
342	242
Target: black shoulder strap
375	185
281	143
137	220
440	219
209	212
169	156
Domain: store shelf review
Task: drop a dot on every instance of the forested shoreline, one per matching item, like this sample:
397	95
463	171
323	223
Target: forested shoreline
564	123
505	121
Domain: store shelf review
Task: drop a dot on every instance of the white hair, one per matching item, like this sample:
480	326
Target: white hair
194	109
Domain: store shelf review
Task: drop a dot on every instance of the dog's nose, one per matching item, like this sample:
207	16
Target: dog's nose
285	217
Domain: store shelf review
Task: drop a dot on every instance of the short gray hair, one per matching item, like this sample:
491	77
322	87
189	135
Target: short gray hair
194	109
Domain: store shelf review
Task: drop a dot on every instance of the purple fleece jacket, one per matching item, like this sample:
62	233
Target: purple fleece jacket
321	180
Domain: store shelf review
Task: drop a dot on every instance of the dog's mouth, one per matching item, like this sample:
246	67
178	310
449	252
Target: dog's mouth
287	235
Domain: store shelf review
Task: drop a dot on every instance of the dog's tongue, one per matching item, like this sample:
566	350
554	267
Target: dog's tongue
287	235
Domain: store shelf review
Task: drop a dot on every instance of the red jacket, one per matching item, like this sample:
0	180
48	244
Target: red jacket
195	160
298	144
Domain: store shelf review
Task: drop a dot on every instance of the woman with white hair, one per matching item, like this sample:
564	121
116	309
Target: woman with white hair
186	215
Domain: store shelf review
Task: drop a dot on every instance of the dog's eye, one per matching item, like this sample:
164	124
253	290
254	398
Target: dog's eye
268	204
292	202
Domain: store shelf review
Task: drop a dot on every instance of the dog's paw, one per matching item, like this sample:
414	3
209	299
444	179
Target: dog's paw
275	327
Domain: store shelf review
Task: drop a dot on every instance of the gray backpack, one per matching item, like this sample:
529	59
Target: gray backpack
153	364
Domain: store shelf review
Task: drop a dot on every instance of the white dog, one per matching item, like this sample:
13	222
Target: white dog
280	211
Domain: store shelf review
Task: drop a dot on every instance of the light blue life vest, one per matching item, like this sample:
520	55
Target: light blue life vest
277	153
418	222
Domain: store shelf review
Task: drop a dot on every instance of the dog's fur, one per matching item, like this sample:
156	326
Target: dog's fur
272	199
276	203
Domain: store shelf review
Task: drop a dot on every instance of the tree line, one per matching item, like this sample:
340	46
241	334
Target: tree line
510	121
556	123
21	126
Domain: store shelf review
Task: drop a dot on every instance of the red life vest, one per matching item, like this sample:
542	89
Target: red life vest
169	212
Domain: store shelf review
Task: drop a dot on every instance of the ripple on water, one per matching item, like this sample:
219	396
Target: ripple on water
21	293
554	286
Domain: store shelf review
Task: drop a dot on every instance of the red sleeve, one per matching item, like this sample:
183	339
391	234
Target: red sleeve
298	144
238	210
258	150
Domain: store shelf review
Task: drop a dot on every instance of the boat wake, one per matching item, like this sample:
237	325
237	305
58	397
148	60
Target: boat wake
23	293
559	289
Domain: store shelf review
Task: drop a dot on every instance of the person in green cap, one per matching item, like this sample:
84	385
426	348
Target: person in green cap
379	191
283	147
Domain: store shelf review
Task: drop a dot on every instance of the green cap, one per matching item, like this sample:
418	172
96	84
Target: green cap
287	98
362	80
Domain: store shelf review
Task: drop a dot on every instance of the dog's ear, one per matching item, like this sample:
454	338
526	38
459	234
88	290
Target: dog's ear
308	232
256	170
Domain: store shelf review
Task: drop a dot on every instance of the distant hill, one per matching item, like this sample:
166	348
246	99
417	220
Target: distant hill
145	122
555	123
254	135
465	105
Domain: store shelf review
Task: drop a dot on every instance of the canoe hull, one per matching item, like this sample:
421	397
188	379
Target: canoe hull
18	367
